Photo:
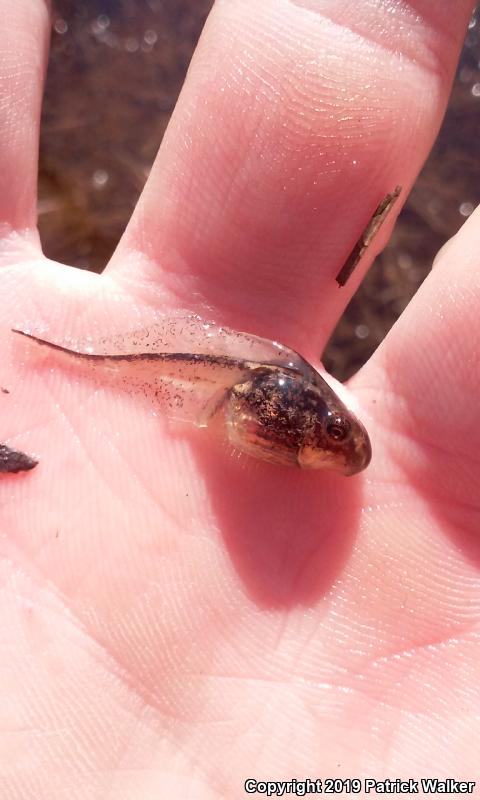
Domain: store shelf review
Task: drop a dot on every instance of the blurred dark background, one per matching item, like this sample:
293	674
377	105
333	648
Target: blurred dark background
115	71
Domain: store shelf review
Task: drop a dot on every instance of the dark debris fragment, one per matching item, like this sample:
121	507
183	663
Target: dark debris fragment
14	460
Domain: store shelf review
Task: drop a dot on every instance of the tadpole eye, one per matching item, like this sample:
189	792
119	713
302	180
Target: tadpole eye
337	428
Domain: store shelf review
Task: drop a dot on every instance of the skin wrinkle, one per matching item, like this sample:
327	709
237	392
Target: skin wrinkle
313	88
426	444
259	129
430	58
324	99
402	605
131	680
364	691
369	661
115	667
429	494
145	694
99	472
429	646
411	415
134	474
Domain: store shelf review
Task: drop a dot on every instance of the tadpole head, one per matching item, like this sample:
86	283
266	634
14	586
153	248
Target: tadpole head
281	417
337	441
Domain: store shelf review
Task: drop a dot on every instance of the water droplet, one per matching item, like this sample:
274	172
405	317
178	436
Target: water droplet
465	75
466	209
100	24
60	26
131	44
362	331
110	39
100	178
434	206
404	261
150	37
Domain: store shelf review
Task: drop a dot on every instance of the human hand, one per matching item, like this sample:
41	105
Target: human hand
176	619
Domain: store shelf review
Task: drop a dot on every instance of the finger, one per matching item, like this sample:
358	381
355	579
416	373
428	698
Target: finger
25	27
295	120
427	373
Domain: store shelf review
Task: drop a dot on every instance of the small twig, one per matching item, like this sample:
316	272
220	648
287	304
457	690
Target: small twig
379	216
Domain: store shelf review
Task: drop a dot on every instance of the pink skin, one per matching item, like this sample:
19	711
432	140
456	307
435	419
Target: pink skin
175	619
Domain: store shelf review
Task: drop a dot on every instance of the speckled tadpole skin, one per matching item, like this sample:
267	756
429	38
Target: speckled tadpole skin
284	419
273	404
14	460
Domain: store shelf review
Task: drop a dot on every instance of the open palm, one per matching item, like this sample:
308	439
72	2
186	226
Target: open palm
175	618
